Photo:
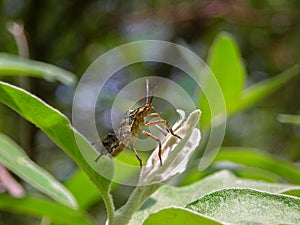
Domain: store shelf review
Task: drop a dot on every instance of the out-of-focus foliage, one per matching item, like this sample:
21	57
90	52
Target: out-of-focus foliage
266	31
14	158
292	119
71	34
13	65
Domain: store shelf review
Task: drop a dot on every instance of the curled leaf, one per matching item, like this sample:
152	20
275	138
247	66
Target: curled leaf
175	153
175	156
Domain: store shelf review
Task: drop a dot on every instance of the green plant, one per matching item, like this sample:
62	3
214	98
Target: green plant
216	199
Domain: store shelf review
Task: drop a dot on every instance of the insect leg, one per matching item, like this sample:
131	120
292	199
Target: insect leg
137	155
161	121
165	133
98	140
159	143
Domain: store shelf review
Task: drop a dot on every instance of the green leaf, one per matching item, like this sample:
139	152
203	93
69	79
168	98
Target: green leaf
15	159
168	196
262	160
58	128
246	206
38	207
84	190
178	216
225	61
16	66
264	88
253	173
292	119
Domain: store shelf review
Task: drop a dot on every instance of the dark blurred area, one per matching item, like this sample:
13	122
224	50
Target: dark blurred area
71	34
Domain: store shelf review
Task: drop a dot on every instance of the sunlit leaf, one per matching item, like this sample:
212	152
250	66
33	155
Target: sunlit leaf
247	206
226	63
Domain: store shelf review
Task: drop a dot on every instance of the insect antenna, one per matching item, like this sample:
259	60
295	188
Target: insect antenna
95	142
148	98
147	91
99	156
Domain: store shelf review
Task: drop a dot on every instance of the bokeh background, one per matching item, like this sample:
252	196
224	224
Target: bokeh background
71	34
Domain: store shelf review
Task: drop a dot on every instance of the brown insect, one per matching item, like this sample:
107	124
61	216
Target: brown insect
130	127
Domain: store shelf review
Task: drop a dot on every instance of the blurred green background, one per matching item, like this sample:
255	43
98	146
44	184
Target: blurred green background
71	34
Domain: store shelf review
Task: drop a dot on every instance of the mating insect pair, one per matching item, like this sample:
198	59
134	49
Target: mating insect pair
130	127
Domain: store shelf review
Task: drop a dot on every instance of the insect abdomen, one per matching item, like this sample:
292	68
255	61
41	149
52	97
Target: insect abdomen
112	144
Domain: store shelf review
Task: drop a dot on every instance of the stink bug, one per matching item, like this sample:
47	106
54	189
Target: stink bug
130	127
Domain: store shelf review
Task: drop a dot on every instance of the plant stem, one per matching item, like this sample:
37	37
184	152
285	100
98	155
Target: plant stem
110	209
136	199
